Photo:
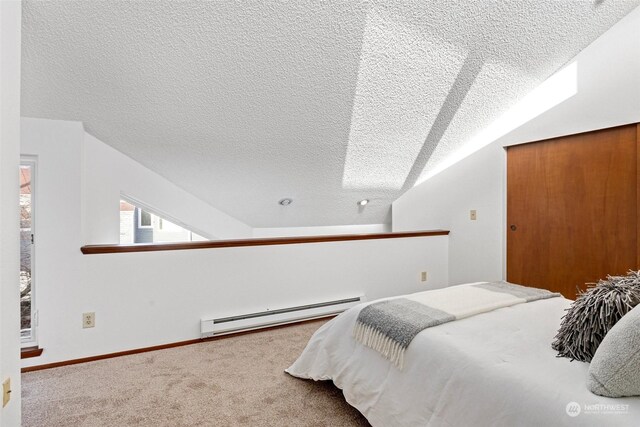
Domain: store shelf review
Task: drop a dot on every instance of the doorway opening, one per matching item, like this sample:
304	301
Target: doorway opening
28	311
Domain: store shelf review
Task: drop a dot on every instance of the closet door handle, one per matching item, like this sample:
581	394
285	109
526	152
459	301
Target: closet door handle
513	227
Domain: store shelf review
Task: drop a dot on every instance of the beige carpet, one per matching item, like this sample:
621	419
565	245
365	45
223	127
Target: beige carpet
234	381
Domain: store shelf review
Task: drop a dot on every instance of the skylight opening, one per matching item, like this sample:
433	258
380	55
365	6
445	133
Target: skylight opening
552	92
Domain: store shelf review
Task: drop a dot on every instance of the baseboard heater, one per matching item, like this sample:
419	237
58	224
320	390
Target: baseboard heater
264	319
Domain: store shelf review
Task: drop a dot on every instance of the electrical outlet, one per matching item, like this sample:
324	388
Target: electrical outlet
423	276
6	392
473	215
88	320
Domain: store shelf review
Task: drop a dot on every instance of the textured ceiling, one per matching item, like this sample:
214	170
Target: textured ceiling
243	103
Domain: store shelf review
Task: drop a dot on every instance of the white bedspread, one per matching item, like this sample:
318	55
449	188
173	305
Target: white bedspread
493	369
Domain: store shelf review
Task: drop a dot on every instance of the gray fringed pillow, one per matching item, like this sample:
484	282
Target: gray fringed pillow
594	313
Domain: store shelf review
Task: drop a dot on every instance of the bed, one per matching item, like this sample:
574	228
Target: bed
491	369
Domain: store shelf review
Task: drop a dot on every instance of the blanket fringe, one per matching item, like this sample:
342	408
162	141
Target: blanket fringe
376	340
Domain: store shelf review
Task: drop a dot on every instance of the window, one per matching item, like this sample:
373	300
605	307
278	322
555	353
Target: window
139	225
27	240
144	219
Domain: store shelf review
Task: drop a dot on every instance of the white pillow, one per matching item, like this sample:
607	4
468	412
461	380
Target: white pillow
615	367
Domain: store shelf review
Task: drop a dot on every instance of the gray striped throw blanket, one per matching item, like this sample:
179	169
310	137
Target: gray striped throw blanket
389	326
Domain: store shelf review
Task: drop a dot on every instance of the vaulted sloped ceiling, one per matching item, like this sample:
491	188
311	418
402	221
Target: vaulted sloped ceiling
243	103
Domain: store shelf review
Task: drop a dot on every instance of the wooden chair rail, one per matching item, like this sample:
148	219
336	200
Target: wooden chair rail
151	247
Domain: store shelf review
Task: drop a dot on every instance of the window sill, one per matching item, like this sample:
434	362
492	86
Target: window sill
28	352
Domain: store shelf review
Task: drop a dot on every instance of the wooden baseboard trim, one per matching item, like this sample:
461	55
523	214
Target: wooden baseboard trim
107	356
164	346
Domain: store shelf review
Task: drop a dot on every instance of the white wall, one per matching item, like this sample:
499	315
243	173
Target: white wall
608	95
145	299
321	230
108	173
444	202
10	25
58	218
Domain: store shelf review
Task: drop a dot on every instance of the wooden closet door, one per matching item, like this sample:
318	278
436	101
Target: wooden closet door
572	209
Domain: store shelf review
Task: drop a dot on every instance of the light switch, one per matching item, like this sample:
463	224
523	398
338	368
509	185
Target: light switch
473	215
